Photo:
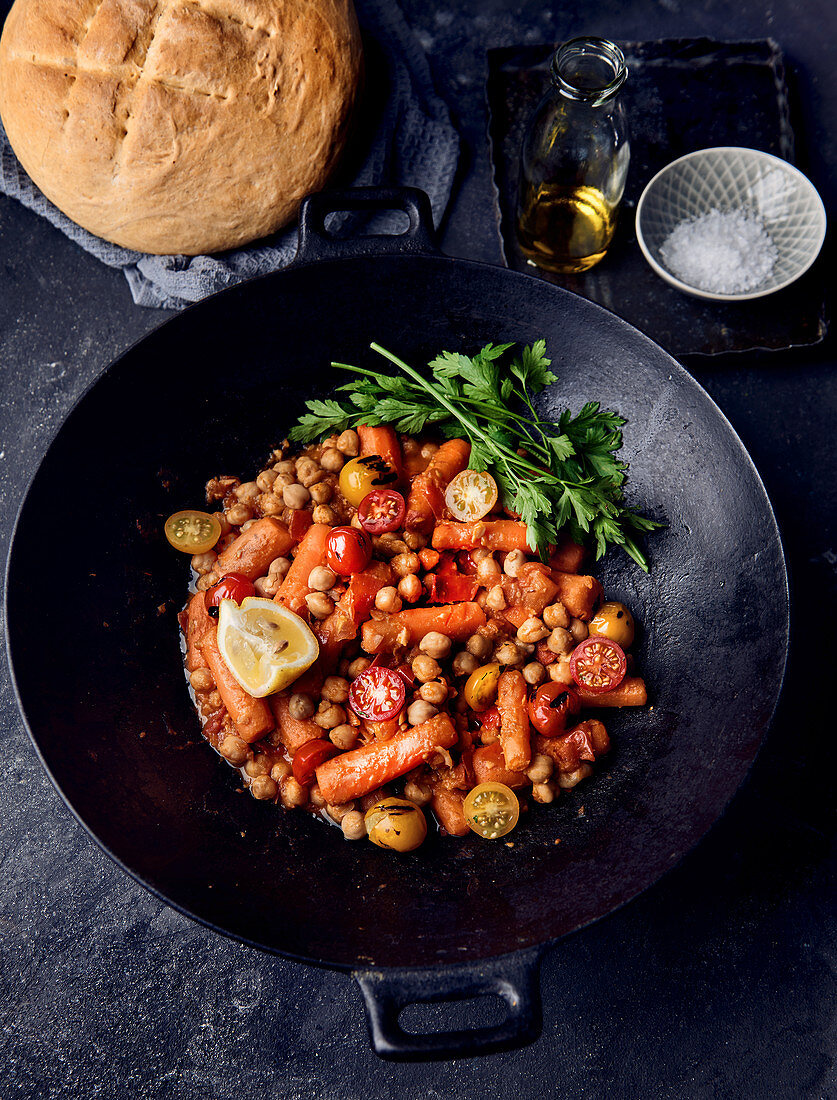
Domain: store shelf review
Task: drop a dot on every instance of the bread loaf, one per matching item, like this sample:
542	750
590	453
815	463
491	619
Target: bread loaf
179	126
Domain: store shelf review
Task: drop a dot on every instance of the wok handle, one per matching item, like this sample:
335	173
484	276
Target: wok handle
316	243
515	978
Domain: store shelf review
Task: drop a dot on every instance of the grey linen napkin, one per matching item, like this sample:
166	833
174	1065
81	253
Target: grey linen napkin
410	142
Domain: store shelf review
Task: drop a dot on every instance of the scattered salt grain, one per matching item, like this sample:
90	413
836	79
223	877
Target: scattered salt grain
722	253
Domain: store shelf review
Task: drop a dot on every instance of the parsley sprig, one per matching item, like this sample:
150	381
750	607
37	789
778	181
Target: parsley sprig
566	478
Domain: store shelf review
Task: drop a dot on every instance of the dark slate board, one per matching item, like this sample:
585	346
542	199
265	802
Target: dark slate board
681	95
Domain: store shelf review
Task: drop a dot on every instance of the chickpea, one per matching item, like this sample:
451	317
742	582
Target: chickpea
238	514
265	480
541	768
435	645
329	716
429	449
560	673
335	689
282	480
279	566
319	605
263	788
279	770
415	540
560	641
286	466
405	564
300	706
321	579
396	823
202	680
479	646
267	586
464	663
388	600
534	673
339	810
332	460
409	588
247	492
507	654
295	496
323	513
543	792
353	824
213	700
317	797
531	631
308	471
293	794
513	562
556	615
235	750
206	581
495	600
487	570
389	544
579	630
203	563
348	443
246	526
420	711
568	780
435	692
257	766
322	492
360	664
344	736
425	668
270	504
416	792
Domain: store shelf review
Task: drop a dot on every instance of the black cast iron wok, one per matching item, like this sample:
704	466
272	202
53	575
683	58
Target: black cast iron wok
210	392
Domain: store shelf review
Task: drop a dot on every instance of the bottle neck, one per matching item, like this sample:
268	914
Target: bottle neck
589	71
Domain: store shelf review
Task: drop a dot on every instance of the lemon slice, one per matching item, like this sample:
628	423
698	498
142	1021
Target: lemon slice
265	646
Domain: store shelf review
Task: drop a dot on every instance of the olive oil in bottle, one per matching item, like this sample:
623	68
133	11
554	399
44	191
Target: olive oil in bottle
574	160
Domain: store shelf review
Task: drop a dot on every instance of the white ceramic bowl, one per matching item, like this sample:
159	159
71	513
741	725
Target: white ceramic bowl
729	178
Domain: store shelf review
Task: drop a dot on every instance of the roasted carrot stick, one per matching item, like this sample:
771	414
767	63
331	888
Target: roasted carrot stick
567	555
384	442
311	552
197	623
426	502
514	720
254	549
447	806
457	621
356	773
495	534
293	732
579	594
585	742
490	767
630	693
252	717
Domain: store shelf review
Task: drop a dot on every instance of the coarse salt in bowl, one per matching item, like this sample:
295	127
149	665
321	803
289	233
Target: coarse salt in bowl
730	223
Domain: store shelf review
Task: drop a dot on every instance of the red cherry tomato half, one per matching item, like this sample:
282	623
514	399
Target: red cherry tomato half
377	694
308	758
598	664
235	587
550	707
348	550
382	510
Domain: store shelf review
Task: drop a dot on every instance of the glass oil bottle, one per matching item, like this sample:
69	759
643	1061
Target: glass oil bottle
574	159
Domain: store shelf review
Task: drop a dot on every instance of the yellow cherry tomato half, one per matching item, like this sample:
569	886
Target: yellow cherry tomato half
396	823
613	620
361	475
491	810
471	495
193	532
481	687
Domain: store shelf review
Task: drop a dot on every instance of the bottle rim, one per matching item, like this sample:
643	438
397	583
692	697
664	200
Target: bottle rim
603	50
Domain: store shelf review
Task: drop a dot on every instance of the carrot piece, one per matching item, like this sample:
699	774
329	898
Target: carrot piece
567	555
254	549
429	558
354	606
579	594
293	732
384	442
381	731
502	535
356	773
490	767
517	615
585	742
197	624
514	720
294	588
457	621
252	717
630	693
426	502
447	806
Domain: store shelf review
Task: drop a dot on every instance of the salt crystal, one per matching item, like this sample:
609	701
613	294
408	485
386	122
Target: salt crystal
722	253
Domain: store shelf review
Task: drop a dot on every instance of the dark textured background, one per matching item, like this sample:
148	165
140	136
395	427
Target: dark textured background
719	982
